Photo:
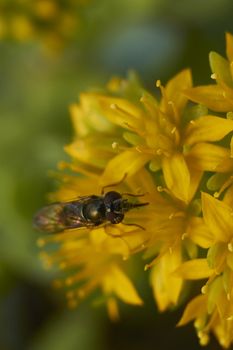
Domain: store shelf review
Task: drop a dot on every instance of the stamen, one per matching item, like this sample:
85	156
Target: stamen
230	247
115	145
84	274
204	289
122	111
167	191
204	339
174	110
213	76
159	152
173	130
184	235
178	214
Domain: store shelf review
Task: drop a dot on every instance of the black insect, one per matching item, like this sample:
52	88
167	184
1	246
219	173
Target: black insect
86	211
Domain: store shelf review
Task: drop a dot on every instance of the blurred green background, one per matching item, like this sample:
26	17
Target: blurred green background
157	38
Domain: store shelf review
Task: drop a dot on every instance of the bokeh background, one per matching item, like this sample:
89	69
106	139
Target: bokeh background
43	68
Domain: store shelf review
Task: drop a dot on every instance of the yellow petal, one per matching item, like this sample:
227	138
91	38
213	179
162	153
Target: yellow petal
228	198
78	120
174	90
214	294
166	286
194	270
176	175
88	116
199	233
216	256
212	96
207	128
124	164
117	282
195	178
194	309
227	277
229	44
122	112
90	151
218	217
113	310
220	66
208	157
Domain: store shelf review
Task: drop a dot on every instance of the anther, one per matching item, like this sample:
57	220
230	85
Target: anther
113	106
204	289
173	130
159	152
230	247
115	145
184	235
213	76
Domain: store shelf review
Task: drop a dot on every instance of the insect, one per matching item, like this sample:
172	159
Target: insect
86	211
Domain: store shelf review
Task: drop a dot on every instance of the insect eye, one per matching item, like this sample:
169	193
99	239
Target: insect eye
114	218
110	197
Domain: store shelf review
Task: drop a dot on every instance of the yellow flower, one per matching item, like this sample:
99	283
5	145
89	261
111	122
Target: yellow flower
207	319
218	97
167	135
172	225
213	310
218	217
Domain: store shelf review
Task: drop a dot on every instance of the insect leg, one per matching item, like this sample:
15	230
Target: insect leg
133	195
121	236
114	184
136	225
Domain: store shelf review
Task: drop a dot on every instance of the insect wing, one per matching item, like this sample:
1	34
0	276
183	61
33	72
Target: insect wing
49	218
61	216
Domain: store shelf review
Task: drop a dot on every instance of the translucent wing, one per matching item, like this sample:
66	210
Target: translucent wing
58	217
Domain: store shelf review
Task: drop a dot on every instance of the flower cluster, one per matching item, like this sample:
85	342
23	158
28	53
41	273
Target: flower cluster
179	155
52	22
